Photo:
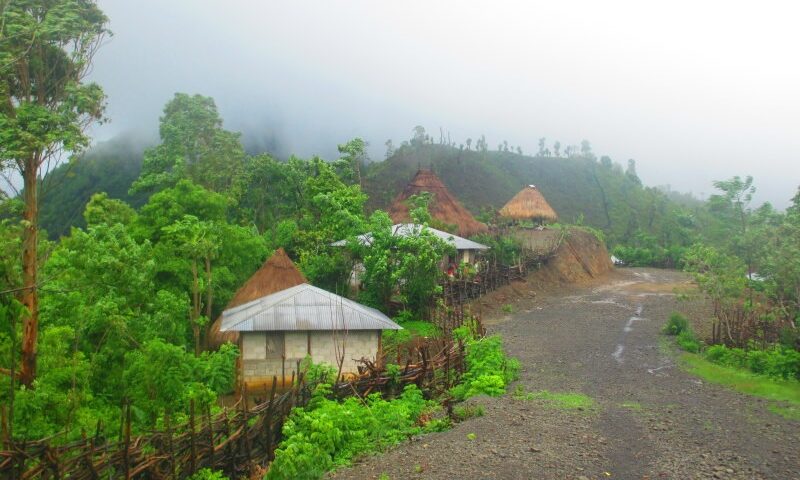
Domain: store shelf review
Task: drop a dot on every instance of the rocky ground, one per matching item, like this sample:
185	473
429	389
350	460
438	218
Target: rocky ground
650	419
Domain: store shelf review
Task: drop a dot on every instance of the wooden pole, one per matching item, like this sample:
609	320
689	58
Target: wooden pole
268	428
211	460
126	455
192	448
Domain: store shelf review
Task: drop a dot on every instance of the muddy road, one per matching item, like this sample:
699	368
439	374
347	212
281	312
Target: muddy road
650	419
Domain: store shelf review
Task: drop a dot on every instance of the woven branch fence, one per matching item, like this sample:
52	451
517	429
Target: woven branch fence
235	441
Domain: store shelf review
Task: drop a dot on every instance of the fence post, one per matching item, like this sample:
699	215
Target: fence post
229	444
127	428
447	369
168	421
269	434
192	448
247	447
211	460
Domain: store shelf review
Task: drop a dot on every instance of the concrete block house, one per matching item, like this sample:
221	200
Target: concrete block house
278	319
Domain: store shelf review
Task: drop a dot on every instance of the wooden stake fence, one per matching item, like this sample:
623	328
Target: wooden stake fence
234	440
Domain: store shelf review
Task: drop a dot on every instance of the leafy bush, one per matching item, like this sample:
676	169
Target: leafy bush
466	412
327	433
687	341
775	362
676	324
391	340
208	474
488	369
505	249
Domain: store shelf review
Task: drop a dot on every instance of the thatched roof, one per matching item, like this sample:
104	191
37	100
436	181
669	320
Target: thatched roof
528	204
443	206
278	273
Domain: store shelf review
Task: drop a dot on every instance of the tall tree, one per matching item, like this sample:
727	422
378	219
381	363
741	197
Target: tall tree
46	50
354	157
193	145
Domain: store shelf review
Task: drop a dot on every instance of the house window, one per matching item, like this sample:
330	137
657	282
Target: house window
274	345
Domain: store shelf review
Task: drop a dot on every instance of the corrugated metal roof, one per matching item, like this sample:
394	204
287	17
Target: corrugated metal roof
404	229
304	307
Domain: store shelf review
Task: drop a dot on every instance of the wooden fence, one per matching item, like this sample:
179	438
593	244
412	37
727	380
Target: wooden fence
492	275
235	441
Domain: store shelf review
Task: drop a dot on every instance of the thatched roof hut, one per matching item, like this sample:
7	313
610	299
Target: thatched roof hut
443	206
528	204
278	273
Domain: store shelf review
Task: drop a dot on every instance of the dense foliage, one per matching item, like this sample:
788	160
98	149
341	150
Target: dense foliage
489	370
327	434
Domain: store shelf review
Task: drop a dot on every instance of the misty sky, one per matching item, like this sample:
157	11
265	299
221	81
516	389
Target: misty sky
694	91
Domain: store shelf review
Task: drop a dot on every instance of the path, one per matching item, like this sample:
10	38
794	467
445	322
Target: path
652	420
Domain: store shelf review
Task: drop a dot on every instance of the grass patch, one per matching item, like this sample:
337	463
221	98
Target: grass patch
462	413
563	401
790	412
787	391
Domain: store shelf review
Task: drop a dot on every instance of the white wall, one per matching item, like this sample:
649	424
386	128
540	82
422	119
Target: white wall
265	354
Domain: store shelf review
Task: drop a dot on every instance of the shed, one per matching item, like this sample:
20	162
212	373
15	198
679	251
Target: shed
529	204
278	330
443	206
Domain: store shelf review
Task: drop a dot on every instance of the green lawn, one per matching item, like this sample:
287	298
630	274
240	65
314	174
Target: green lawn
787	392
562	400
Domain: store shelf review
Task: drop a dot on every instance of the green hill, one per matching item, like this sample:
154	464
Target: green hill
109	167
580	188
598	193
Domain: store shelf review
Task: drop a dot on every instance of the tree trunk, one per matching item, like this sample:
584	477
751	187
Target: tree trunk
30	295
195	308
209	299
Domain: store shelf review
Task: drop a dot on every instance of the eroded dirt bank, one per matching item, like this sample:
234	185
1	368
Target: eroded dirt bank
651	419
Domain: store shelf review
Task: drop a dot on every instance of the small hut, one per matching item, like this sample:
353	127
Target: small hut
279	330
277	319
529	204
278	273
443	206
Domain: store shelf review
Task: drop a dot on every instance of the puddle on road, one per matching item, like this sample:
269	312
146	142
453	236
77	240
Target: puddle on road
627	328
657	371
618	353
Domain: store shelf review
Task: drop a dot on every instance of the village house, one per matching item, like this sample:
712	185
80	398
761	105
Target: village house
284	319
529	204
443	206
467	251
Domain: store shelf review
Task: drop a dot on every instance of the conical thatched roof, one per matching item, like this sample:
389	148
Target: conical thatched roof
278	273
528	204
443	207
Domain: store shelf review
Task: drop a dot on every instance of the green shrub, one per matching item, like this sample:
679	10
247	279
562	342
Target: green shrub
465	412
508	308
327	434
676	324
776	362
687	341
488	369
208	474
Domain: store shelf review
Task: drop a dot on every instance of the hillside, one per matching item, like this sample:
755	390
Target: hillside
598	193
109	167
581	189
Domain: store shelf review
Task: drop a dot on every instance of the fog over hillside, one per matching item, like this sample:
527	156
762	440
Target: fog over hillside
693	91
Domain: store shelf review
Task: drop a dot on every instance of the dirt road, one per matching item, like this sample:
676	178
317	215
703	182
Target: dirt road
650	420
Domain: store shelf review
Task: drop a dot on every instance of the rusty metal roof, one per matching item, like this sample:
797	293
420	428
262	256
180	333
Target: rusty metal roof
304	307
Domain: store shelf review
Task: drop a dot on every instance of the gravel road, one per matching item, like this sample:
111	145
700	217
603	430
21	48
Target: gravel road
650	420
